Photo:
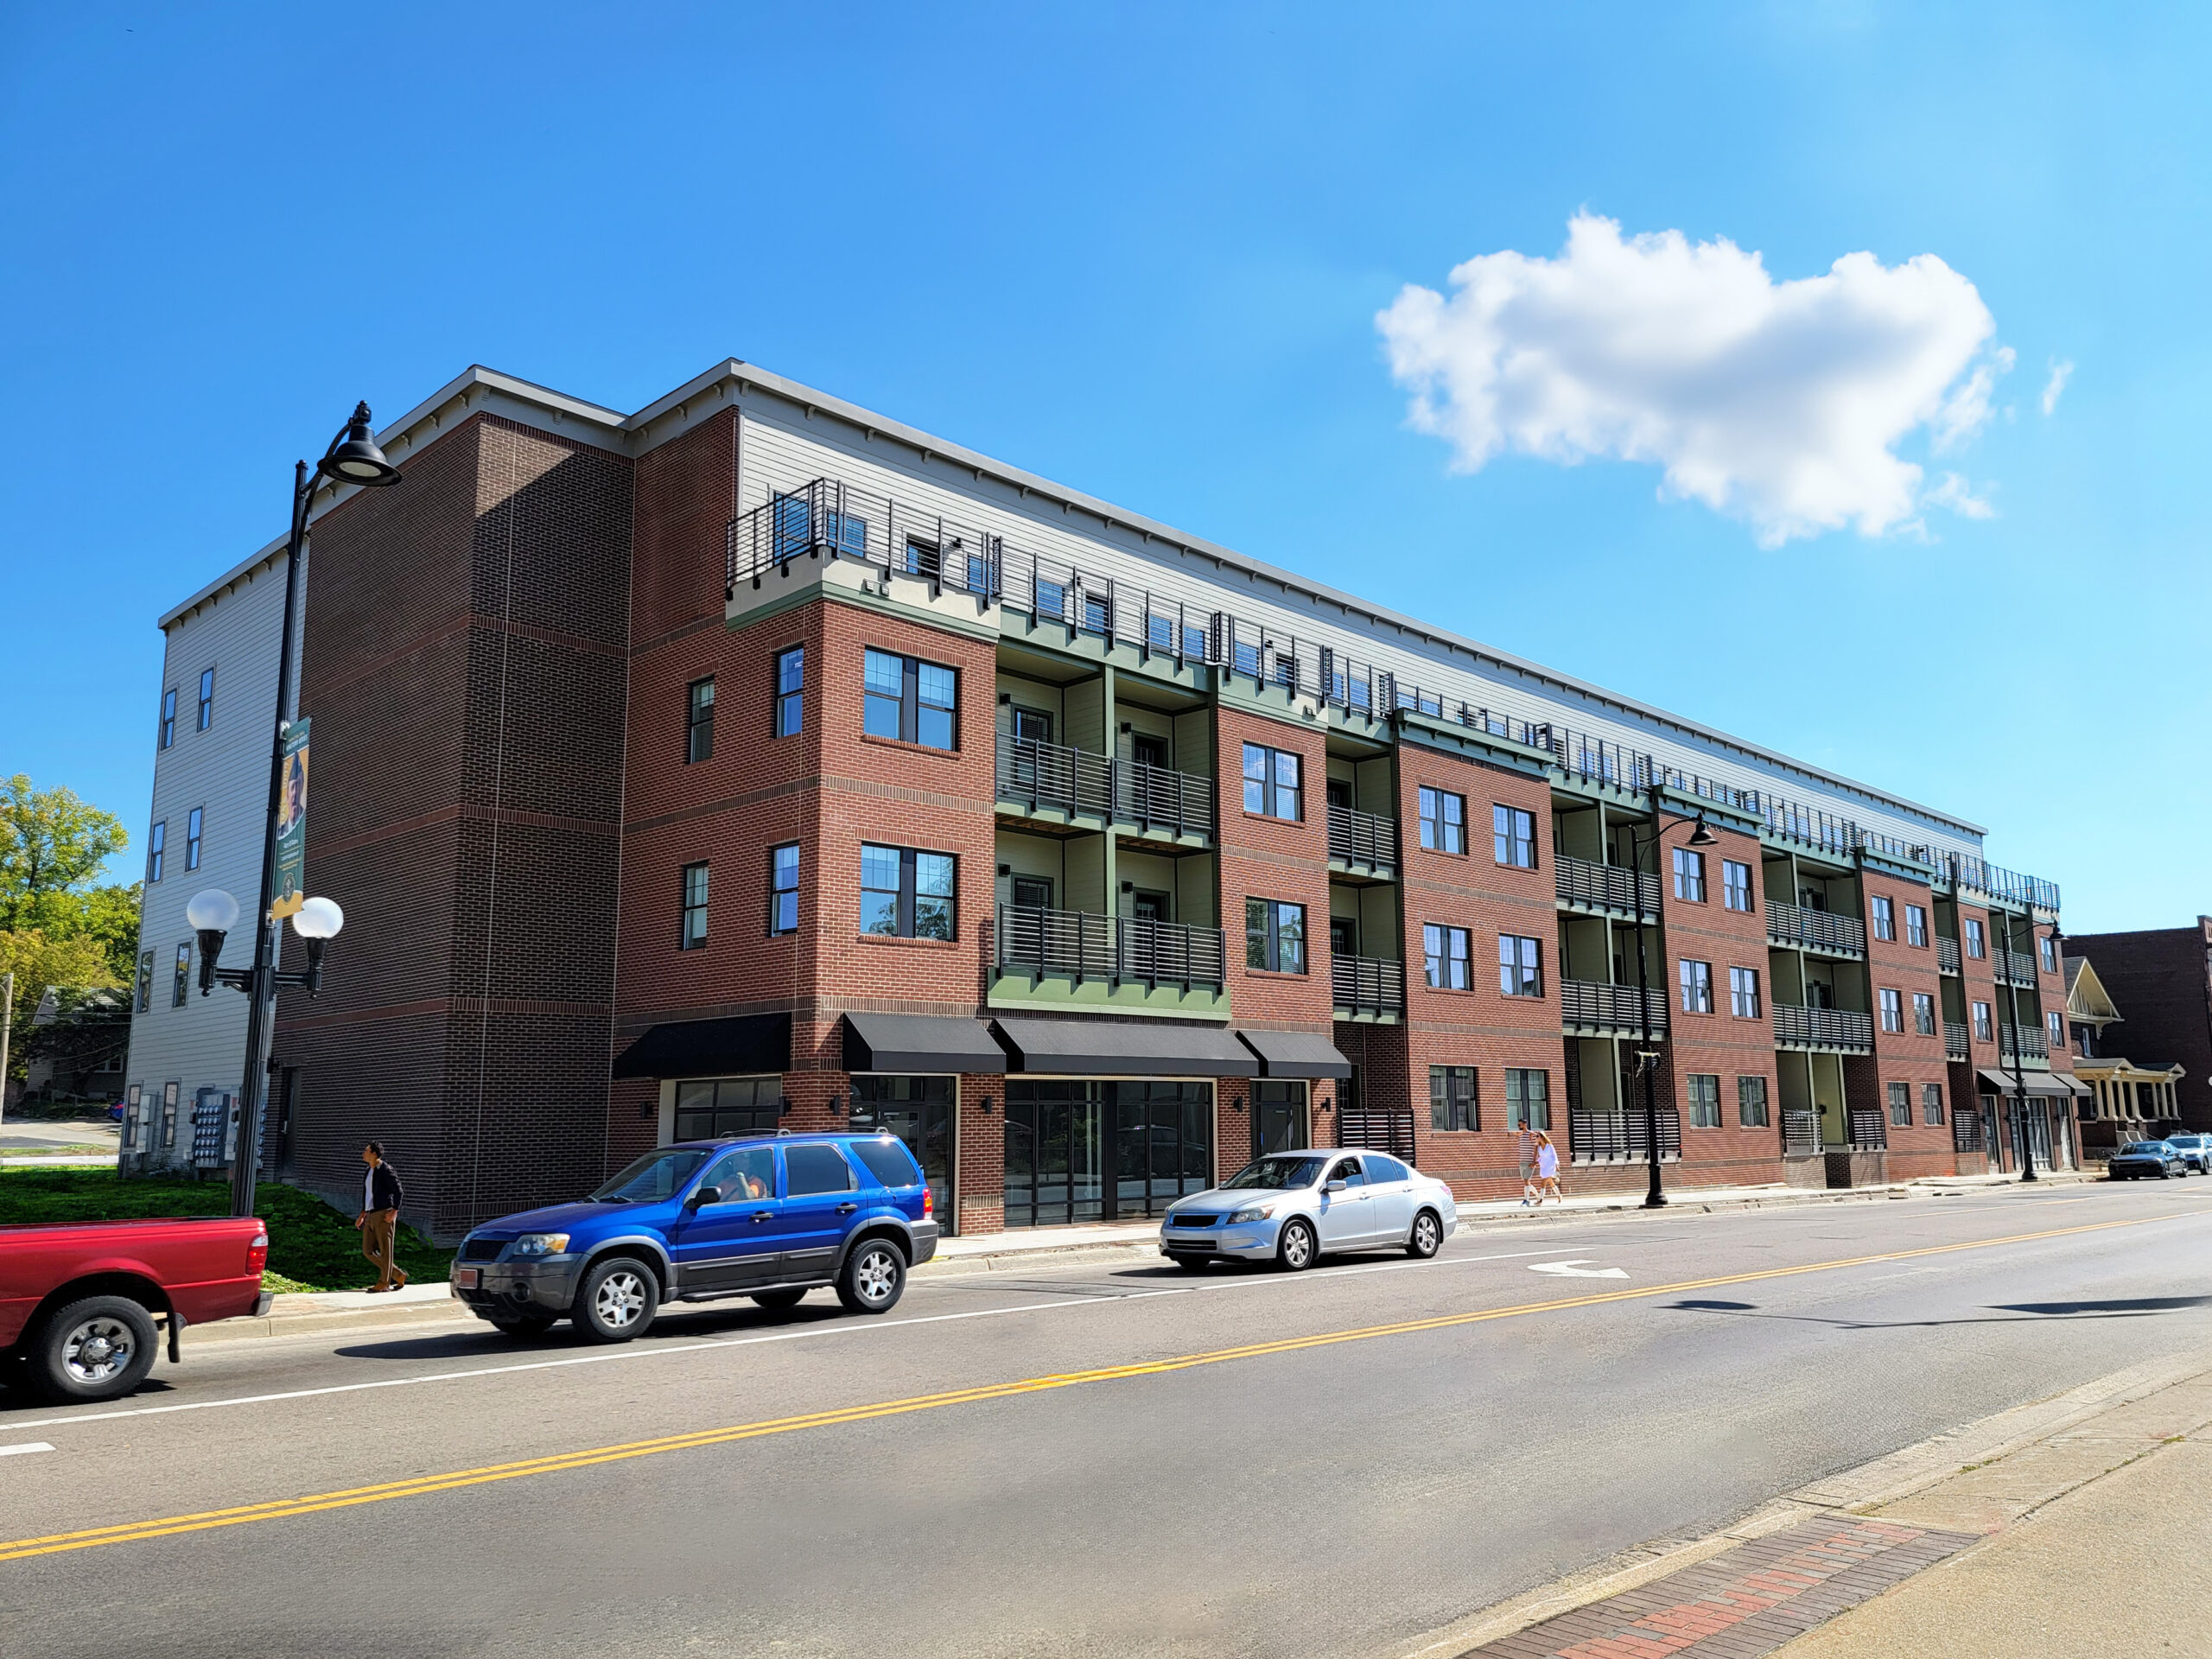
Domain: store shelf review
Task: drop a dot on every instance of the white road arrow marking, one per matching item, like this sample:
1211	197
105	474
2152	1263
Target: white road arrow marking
27	1446
1578	1270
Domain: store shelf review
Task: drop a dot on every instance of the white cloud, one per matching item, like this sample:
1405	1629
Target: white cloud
2061	372
1782	403
1955	494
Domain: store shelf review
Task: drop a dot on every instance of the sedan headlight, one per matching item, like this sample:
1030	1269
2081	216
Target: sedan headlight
540	1245
1251	1212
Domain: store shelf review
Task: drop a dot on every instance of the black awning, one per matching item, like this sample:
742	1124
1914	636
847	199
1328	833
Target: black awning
709	1048
2045	1084
1122	1048
1295	1054
919	1042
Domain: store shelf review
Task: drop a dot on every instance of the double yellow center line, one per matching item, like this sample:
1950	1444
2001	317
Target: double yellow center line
423	1485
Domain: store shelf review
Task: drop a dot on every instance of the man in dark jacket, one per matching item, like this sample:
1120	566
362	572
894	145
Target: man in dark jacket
379	1219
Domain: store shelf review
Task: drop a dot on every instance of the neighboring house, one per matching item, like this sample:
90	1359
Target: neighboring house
81	1039
2129	1100
2161	978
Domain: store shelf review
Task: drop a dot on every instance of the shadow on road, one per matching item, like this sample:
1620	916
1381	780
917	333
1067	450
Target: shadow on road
2134	1307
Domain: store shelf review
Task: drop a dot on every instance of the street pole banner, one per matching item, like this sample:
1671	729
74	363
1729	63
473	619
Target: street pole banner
292	825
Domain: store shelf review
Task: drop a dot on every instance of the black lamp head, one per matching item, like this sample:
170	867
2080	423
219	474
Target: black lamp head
358	460
1703	837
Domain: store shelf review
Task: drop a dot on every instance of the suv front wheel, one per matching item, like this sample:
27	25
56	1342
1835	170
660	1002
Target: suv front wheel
873	1278
617	1299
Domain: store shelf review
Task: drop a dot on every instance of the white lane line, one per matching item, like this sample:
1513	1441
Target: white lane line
613	1356
27	1446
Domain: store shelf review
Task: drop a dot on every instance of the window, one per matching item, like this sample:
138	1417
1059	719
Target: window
910	701
1982	1031
1750	1102
1697	987
1689	875
699	722
1916	925
2054	1026
1444	957
906	895
1271	786
1705	1100
207	698
1274	936
1885	916
783	889
1744	993
1735	884
694	933
790	691
156	845
708	1107
1975	947
2048	950
1528	1099
168	719
1901	1105
746	1174
1451	1098
145	982
169	1093
191	820
1892	1011
1520	965
1923	1014
815	1167
1931	1102
181	987
1513	835
1443	822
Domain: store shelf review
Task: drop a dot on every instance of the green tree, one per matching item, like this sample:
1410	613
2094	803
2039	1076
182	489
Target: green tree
108	916
52	843
73	965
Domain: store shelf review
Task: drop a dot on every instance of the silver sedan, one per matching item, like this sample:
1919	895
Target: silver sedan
1291	1206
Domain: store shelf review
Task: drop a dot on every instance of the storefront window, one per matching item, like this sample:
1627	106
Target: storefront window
1080	1151
919	1110
708	1109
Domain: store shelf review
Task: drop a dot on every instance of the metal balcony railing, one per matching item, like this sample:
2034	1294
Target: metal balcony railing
1606	1137
1822	1028
1080	946
1965	1132
1955	1045
1156	798
1946	955
1868	1128
1610	1008
1606	886
1801	1134
2031	1041
2017	966
1052	776
1818	930
1368	984
1358	837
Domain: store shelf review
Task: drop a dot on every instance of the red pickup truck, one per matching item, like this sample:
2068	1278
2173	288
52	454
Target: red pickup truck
78	1298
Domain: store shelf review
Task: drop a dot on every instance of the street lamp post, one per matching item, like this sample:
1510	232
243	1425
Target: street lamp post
1647	1058
351	458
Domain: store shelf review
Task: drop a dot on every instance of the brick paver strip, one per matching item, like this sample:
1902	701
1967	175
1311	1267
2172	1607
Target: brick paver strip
1745	1602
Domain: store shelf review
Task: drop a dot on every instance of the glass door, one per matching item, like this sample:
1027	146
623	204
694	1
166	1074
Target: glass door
1278	1119
1163	1144
1053	1153
919	1110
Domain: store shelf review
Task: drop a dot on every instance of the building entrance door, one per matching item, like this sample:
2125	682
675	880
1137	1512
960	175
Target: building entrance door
919	1110
1279	1117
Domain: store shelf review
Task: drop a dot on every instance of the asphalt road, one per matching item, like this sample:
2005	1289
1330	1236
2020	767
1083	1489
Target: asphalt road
1086	1460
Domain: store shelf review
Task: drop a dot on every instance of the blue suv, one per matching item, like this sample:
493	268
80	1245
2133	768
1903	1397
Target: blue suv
770	1217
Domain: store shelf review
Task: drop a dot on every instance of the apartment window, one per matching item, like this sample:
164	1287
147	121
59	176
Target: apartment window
1901	1105
2054	1026
694	933
191	820
1689	875
1444	957
1443	822
1697	987
156	850
1750	1102
1705	1100
1735	884
1451	1098
181	987
1916	925
910	700
1885	918
1274	936
169	1093
1923	1014
1271	784
1931	1102
168	719
1744	993
1513	833
1982	1030
905	894
1892	1011
1528	1099
145	982
1520	965
2048	948
790	691
1974	946
783	889
699	722
207	698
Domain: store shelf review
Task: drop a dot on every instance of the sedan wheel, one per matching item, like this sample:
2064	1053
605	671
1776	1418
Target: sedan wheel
1426	1236
1296	1251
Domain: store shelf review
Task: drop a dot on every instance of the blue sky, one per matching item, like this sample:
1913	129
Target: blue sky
1142	249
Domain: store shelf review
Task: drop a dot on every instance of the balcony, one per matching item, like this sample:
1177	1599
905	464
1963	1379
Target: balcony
1051	778
1946	955
1367	986
2016	966
2030	1041
1800	1134
1362	840
1613	888
1868	1128
1815	930
1620	1137
1599	1008
1842	1029
1954	1040
1154	797
1079	946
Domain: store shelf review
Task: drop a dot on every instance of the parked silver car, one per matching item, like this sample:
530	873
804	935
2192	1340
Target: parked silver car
1291	1206
2195	1151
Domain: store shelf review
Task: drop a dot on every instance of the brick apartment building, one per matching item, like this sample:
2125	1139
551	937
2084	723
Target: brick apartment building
755	761
2161	980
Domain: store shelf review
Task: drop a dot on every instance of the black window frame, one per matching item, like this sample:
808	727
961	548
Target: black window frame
1701	982
1730	886
1518	1101
1704	1114
205	718
693	907
181	986
911	706
157	844
1689	875
165	730
1751	1101
1512	836
1744	989
1438	826
1923	1002
783	897
1984	1022
1451	1109
2046	953
1443	935
1977	939
1900	1095
791	692
1264	935
1882	917
194	822
1932	1111
906	898
1269	782
145	982
699	721
1524	968
1890	1002
1915	926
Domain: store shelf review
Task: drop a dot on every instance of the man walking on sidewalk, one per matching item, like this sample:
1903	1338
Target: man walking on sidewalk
1527	1149
379	1220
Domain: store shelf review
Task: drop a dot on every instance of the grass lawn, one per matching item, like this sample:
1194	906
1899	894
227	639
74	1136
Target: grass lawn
310	1245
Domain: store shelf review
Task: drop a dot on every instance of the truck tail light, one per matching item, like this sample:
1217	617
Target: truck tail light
929	1203
257	1255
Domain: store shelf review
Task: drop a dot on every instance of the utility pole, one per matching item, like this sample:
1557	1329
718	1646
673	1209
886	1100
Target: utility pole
7	1031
